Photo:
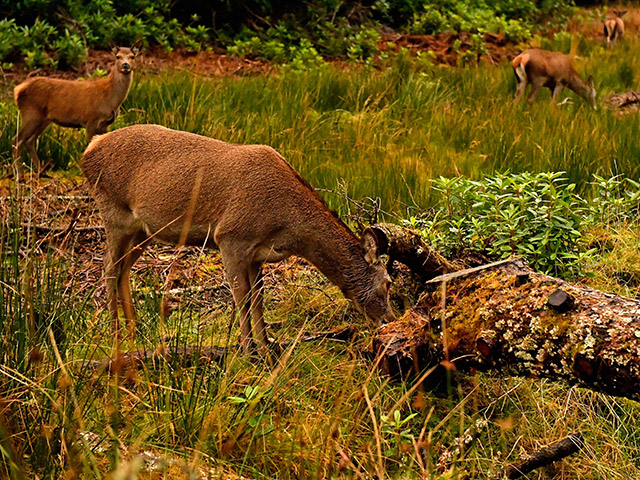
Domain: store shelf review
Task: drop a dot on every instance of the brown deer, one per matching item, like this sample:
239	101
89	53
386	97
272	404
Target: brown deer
543	68
90	104
614	27
155	184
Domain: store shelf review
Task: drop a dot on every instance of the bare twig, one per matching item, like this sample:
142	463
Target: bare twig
545	456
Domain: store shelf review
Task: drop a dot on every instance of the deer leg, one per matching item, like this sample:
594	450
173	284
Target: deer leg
33	124
118	246
257	306
534	91
237	274
519	91
96	127
521	78
112	268
138	244
92	128
557	89
30	144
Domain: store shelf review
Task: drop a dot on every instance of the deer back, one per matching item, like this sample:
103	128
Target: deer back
157	173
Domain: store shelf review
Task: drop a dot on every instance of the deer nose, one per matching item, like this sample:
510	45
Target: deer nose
126	66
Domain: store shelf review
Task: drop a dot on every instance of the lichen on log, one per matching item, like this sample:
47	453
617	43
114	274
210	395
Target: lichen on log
501	318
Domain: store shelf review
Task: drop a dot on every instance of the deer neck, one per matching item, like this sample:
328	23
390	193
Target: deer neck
335	250
119	84
578	85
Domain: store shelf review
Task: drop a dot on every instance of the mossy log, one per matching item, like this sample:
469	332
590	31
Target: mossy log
507	318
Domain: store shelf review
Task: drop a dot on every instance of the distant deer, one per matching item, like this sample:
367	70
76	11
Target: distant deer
614	27
542	68
90	104
153	183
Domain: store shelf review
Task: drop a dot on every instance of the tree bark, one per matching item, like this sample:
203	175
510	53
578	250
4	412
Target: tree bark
507	318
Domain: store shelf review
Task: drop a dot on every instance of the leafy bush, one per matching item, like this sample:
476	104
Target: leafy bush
535	216
287	31
61	37
513	18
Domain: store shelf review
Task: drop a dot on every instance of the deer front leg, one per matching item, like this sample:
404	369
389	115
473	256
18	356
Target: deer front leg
557	90
33	126
257	307
238	278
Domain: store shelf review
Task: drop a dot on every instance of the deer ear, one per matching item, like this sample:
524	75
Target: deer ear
135	48
374	243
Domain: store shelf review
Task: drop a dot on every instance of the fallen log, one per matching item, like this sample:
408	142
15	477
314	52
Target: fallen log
626	101
507	318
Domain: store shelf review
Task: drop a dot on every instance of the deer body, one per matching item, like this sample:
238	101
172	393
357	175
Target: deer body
89	104
543	68
153	183
614	27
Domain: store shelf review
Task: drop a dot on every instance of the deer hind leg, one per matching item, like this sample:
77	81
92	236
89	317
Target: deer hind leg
535	88
118	259
137	246
521	77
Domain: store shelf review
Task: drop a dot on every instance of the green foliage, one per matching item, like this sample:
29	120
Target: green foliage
297	34
61	37
535	216
513	18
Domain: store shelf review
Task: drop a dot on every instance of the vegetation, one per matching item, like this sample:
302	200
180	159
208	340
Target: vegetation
557	185
285	32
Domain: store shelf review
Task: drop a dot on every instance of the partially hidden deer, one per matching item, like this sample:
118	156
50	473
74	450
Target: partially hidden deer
543	68
614	27
155	184
90	104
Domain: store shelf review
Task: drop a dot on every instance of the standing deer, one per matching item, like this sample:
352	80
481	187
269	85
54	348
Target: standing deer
614	27
542	68
153	183
90	104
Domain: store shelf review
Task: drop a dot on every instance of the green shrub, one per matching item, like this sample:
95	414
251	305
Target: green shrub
513	18
535	216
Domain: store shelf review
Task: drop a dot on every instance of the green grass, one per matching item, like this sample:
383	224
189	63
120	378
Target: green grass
325	412
387	132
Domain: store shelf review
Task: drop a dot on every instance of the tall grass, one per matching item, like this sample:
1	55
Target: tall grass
325	411
386	132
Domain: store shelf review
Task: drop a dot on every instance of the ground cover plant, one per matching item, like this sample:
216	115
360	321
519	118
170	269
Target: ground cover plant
410	141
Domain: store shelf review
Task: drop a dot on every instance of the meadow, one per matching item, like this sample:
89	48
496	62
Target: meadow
324	411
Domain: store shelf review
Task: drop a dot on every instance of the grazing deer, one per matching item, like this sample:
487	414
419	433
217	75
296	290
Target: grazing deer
90	104
542	68
153	183
614	27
